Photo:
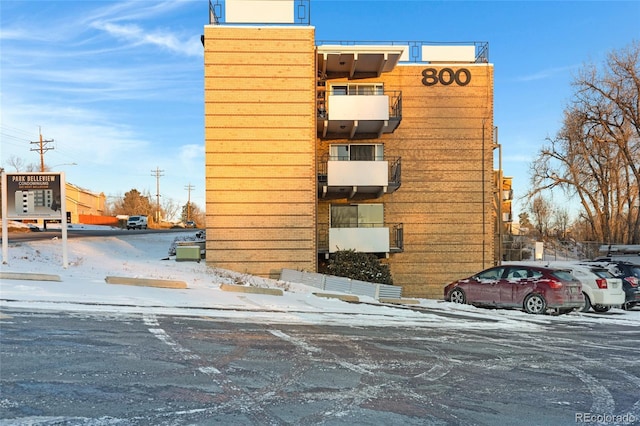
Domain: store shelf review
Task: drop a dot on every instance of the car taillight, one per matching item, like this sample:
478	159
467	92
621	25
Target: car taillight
633	281
555	284
602	283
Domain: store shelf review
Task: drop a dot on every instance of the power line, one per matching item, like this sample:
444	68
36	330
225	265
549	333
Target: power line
8	135
27	133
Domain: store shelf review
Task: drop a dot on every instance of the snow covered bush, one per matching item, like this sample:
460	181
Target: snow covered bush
358	266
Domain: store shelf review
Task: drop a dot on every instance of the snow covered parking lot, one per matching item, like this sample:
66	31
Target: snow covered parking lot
92	259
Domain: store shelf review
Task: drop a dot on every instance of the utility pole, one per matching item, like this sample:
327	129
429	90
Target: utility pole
42	148
157	173
189	188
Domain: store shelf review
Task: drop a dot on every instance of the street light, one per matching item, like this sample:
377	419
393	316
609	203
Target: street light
63	164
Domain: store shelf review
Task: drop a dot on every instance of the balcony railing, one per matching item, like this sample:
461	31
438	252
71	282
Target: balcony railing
294	12
359	115
366	238
415	51
340	177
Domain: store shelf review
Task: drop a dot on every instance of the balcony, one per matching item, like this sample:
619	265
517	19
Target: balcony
365	238
355	116
368	179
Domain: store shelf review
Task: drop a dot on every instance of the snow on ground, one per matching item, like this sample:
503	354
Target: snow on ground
139	255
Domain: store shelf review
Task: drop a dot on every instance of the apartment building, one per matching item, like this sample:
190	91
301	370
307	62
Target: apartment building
313	147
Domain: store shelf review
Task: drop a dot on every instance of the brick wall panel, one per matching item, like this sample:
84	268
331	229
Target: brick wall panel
268	136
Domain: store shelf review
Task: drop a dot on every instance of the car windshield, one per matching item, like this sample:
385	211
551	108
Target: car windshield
561	274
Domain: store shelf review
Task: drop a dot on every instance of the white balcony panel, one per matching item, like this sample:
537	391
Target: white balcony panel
405	54
449	53
260	11
358	107
367	240
357	173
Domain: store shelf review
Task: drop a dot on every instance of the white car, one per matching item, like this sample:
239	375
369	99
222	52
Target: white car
600	288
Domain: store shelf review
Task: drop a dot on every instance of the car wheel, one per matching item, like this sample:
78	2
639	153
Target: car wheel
457	296
535	304
601	308
628	306
587	304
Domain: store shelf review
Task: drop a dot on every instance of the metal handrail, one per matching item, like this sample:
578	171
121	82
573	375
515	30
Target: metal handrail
415	47
395	103
396	235
394	174
302	13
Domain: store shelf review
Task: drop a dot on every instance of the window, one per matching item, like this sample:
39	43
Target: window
339	90
357	215
491	274
519	272
357	89
356	152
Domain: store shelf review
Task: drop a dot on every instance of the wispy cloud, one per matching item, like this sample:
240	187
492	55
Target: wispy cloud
135	10
547	73
139	36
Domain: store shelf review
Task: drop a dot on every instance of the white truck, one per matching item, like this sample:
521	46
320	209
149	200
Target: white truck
137	222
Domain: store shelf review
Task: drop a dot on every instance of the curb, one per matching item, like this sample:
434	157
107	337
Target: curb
399	301
248	289
146	282
343	297
28	276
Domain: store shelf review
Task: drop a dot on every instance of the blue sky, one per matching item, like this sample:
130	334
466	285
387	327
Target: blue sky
119	84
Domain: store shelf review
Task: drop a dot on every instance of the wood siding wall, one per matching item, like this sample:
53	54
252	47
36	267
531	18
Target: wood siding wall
445	201
260	148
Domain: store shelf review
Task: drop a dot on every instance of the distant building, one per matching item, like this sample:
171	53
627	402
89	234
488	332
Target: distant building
86	206
504	211
313	147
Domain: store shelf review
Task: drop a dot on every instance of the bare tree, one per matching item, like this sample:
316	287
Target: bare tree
596	155
170	208
191	211
542	213
21	166
561	222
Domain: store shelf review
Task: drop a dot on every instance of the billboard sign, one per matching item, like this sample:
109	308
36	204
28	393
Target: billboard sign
34	196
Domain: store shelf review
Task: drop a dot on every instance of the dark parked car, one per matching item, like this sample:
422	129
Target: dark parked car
532	288
629	273
190	224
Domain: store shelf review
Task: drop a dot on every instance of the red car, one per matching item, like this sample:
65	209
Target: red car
532	288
